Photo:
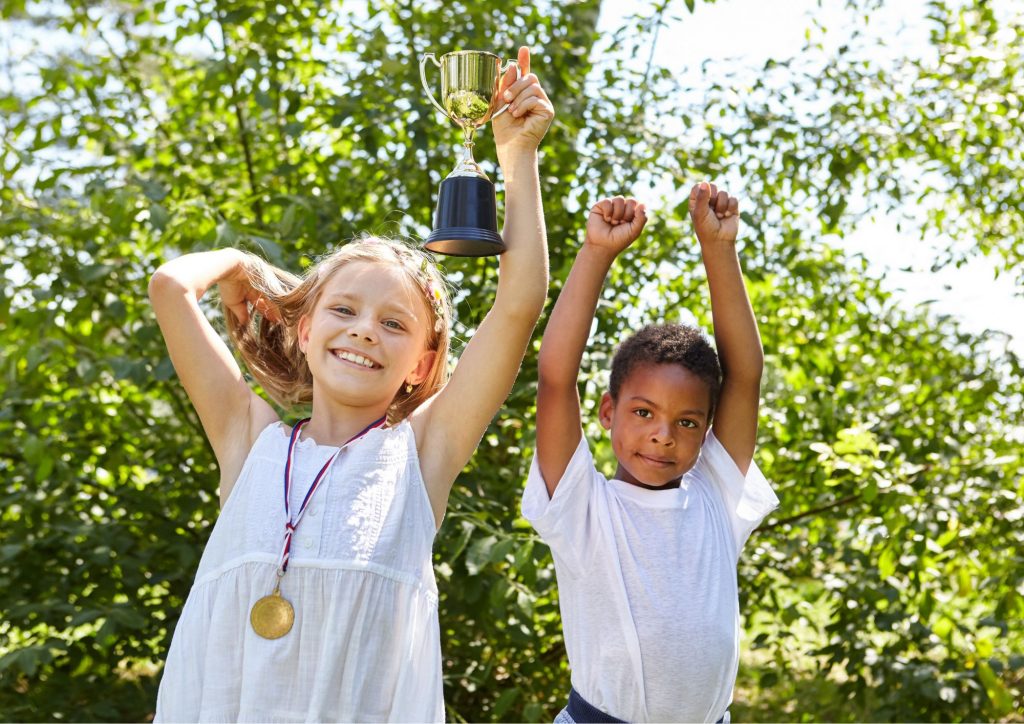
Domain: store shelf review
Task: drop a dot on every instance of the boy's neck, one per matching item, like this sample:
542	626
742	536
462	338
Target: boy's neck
622	474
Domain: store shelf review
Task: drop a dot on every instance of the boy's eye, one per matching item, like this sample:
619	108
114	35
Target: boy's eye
642	412
687	423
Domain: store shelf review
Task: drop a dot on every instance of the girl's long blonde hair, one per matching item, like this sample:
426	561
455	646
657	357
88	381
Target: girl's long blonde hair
271	351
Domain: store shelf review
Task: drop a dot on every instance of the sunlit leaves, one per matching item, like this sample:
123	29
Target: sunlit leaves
888	584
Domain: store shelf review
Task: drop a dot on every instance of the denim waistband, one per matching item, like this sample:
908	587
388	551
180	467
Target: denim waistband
583	712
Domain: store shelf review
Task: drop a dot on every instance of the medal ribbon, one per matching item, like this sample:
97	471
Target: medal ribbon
290	524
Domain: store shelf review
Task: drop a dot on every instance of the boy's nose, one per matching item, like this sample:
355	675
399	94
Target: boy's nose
662	436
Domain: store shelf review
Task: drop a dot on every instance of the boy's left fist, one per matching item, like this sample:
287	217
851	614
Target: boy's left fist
715	214
529	113
615	223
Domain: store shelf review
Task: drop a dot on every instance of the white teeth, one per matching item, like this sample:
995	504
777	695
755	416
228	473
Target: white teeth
357	358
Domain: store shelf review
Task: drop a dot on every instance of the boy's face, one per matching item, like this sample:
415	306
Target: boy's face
658	423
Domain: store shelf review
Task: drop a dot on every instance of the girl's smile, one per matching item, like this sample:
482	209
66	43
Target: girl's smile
352	357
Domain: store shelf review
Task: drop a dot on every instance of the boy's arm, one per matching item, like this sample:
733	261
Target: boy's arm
613	224
230	412
449	426
715	217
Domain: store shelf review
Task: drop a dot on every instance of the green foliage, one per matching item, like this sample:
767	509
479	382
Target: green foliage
887	587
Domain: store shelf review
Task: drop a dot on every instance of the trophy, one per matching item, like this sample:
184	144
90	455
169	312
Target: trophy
466	221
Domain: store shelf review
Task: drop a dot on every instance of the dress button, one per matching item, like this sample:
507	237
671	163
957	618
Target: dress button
312	512
308	544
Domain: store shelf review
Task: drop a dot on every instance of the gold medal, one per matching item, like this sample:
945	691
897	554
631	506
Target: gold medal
272	616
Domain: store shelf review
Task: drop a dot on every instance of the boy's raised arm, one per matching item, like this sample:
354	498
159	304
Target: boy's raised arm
715	217
613	224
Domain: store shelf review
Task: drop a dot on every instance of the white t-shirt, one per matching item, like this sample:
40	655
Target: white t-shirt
647	582
366	644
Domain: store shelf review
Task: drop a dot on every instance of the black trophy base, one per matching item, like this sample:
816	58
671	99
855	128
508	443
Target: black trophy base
466	222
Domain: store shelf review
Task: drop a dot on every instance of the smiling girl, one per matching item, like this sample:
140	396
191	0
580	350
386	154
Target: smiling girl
315	598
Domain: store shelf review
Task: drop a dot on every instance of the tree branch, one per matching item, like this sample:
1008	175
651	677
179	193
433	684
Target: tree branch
812	511
243	130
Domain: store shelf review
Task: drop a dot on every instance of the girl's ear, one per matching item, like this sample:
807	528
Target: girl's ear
606	410
302	332
422	368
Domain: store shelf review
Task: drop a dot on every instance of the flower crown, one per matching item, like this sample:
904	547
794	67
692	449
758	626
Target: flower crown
435	297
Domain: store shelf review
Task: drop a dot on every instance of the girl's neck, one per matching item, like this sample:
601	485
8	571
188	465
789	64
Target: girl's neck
335	426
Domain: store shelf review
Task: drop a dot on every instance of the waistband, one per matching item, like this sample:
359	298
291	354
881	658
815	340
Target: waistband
583	712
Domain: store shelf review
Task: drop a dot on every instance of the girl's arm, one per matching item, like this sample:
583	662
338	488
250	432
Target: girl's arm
231	413
716	220
449	427
613	224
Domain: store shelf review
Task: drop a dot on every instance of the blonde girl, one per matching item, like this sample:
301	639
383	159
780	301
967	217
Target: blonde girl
315	599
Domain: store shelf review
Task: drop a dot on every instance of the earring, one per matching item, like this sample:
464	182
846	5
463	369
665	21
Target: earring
408	388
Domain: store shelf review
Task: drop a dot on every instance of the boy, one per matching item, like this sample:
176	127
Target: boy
646	562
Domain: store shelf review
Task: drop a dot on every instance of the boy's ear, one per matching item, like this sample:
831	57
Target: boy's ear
302	333
606	410
422	368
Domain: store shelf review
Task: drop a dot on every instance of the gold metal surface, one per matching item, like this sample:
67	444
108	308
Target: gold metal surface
272	616
470	80
469	86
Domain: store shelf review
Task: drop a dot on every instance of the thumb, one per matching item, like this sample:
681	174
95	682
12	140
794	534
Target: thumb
639	219
699	196
524	60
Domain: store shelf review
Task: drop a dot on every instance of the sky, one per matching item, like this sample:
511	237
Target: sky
752	31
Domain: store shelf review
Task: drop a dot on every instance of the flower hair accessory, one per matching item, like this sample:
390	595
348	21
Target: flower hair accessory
436	300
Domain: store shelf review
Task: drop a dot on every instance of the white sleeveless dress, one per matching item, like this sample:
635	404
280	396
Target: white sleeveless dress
365	645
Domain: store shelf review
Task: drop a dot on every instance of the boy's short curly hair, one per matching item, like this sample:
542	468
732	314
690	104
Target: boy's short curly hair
678	344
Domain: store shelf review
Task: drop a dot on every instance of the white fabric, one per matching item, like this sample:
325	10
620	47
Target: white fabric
647	582
366	643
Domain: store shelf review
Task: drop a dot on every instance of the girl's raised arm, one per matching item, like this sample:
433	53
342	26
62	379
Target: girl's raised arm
231	413
449	427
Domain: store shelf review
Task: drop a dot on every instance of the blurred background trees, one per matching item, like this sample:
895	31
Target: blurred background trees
888	586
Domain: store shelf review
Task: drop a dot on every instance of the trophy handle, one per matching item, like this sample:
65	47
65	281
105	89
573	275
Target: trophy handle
501	74
426	87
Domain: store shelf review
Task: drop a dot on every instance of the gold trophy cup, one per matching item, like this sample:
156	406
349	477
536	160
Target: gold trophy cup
466	220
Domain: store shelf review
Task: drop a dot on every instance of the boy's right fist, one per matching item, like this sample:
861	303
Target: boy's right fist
615	223
715	214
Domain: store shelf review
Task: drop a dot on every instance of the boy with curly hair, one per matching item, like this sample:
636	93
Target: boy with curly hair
646	561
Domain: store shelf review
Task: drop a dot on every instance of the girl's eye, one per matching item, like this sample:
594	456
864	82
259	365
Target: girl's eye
344	310
392	324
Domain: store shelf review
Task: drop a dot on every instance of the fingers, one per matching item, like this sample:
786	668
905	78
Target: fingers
619	210
639	219
266	309
719	201
526	87
514	87
240	311
531	99
511	78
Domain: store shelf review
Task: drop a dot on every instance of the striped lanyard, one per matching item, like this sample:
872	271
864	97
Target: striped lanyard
291	524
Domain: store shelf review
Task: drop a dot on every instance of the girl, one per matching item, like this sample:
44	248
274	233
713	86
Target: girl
315	598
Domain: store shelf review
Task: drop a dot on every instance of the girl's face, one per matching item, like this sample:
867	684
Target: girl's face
367	335
657	424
